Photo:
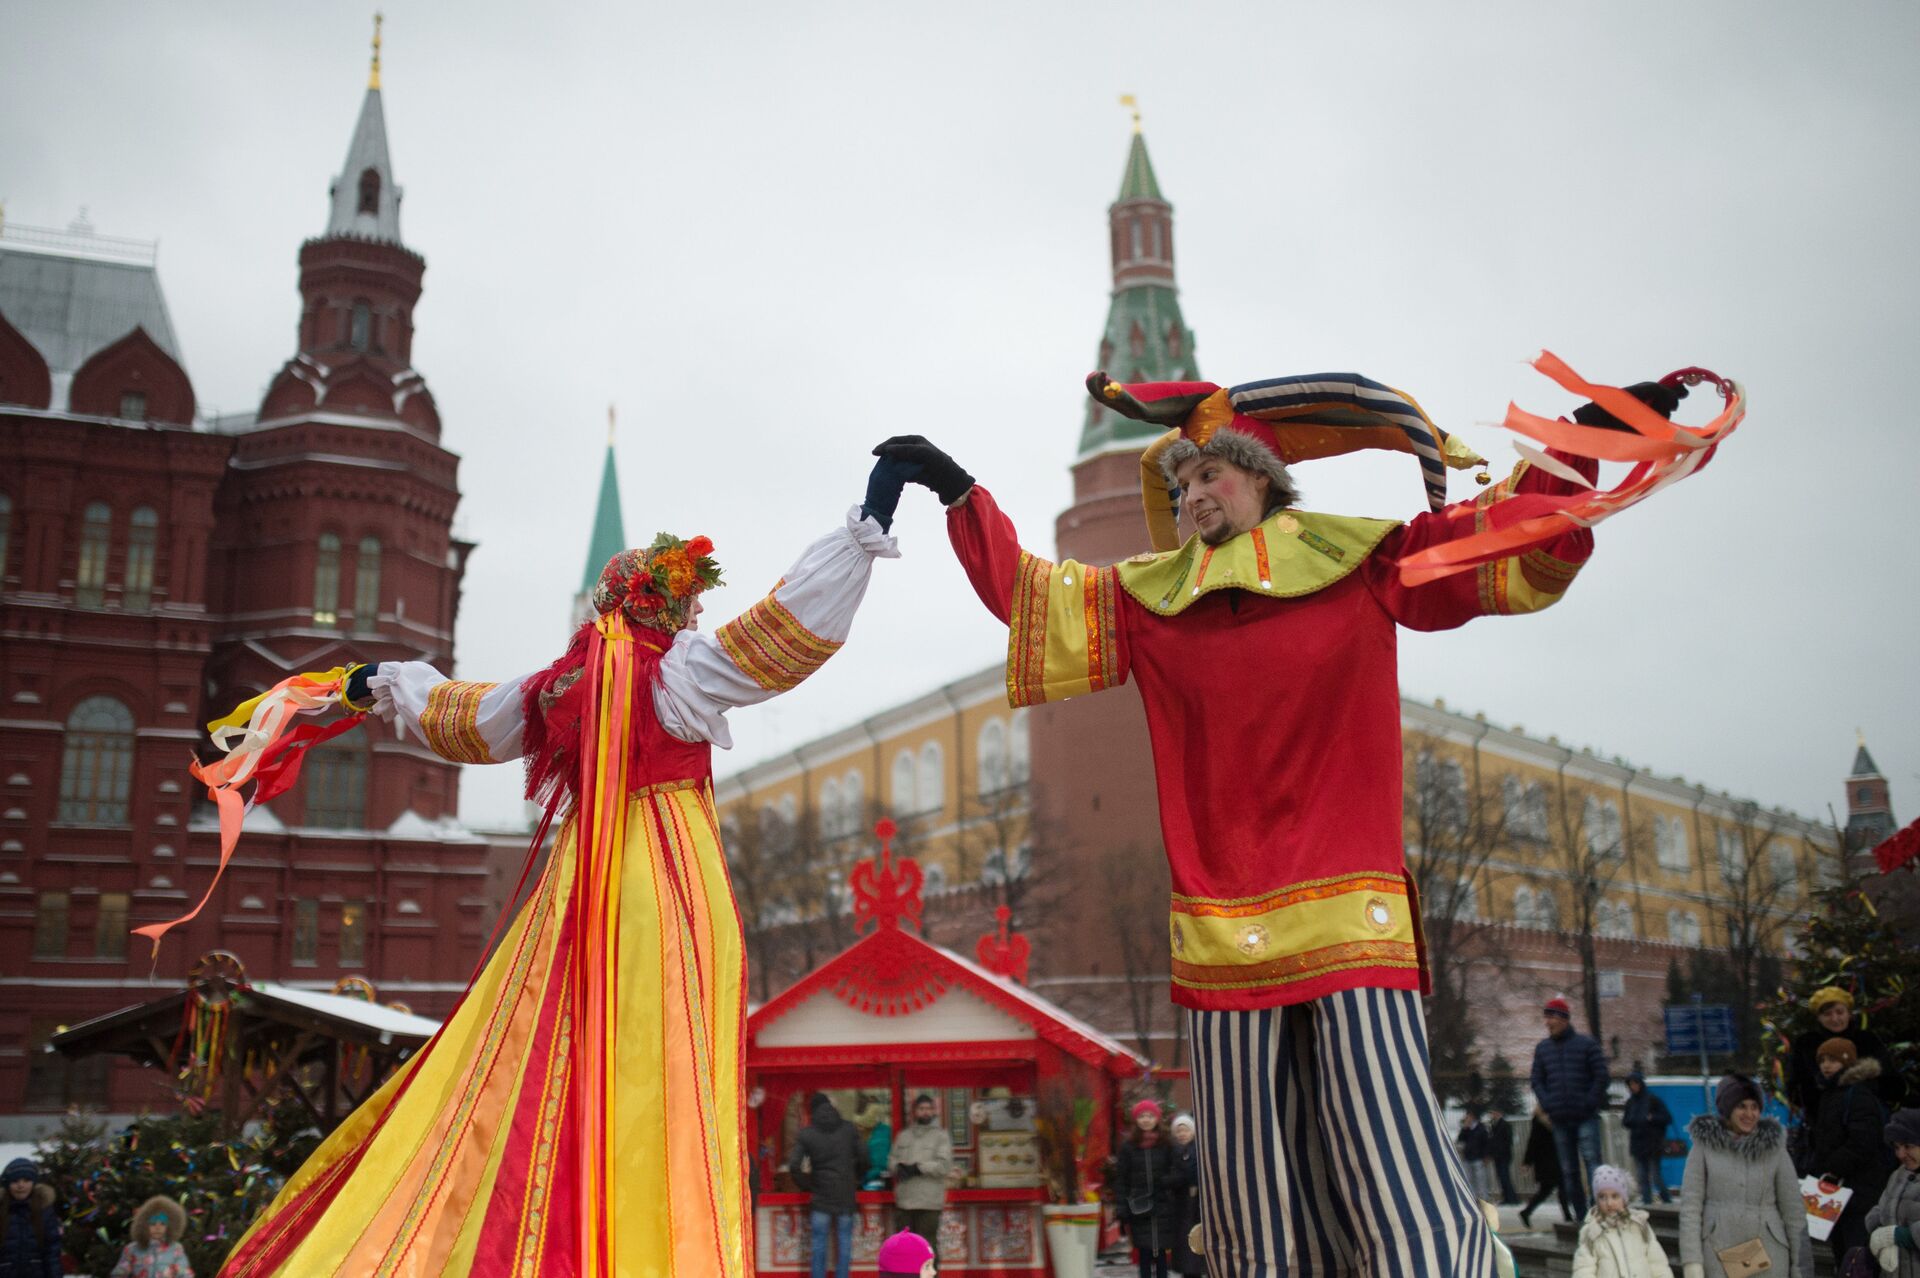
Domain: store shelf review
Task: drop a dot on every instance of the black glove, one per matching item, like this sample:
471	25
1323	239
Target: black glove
1661	398
884	482
907	1170
937	470
357	695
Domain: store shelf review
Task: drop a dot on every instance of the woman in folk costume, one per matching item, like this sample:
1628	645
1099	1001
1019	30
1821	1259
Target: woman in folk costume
1263	647
580	1113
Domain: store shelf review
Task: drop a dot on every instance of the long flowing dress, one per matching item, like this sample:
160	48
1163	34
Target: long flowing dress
580	1112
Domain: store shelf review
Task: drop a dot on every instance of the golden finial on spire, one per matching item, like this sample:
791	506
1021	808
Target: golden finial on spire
609	425
1132	104
1860	737
373	77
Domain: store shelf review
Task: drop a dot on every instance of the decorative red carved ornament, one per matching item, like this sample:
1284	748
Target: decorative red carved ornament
1004	952
885	891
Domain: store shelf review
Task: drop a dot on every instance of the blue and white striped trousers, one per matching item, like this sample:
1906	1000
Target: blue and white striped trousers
1322	1150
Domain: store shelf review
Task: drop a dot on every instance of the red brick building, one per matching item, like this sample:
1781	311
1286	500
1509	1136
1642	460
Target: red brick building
155	569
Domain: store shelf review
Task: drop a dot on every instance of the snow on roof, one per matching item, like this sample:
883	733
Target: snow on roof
385	1020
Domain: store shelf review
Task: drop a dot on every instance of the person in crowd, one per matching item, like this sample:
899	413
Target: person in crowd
1500	1153
1740	1199
1893	1224
827	1161
1849	1143
1146	1176
1186	1202
1615	1240
1570	1082
31	1248
906	1255
155	1251
876	1128
1472	1144
1542	1156
1832	1008
920	1162
1646	1119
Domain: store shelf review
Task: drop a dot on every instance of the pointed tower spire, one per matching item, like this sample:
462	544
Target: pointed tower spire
1869	801
365	198
1146	339
609	535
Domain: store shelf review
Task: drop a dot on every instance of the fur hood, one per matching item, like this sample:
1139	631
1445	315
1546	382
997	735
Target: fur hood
41	1199
160	1205
1864	1070
1756	1146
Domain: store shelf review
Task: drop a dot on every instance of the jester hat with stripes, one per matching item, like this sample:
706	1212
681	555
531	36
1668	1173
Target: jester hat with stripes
1286	419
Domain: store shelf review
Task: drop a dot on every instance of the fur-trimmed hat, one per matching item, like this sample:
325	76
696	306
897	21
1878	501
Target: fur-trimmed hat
1262	426
1614	1178
160	1205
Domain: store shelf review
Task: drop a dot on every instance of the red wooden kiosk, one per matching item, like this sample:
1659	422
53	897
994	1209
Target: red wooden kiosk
894	1016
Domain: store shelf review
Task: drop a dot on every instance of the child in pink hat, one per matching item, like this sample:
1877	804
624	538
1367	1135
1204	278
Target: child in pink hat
906	1255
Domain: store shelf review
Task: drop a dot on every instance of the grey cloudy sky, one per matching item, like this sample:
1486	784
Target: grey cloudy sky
775	233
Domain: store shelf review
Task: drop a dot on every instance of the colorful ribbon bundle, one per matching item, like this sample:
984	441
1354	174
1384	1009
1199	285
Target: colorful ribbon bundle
1663	453
262	745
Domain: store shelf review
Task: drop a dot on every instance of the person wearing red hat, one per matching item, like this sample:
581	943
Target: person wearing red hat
1263	648
1570	1082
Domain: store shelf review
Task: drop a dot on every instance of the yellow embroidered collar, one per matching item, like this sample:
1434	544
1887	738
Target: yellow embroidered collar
1291	553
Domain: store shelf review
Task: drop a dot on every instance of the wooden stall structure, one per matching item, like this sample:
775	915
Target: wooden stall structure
233	1045
1022	1086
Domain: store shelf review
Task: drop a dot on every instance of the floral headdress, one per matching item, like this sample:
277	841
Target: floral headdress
656	587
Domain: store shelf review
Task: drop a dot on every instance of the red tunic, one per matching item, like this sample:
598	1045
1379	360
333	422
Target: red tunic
1275	721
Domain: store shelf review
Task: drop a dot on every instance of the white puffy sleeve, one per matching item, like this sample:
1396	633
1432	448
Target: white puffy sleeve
459	720
775	644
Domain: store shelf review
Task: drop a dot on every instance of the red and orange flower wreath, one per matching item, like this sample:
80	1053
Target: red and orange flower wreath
656	587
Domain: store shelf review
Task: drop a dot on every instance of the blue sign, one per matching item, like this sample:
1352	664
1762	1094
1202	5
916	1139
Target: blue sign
1697	1027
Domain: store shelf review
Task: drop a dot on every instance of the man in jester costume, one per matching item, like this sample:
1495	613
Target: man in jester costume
581	1110
1263	647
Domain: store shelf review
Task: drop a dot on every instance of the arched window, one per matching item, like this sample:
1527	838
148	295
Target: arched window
1670	842
366	587
143	530
6	531
829	818
326	582
133	406
1523	907
992	756
96	535
902	786
853	803
935	881
1546	910
360	326
370	191
1602	820
96	766
336	781
931	786
1786	871
1019	751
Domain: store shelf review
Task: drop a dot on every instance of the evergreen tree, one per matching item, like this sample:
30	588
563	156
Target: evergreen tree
1503	1086
1848	943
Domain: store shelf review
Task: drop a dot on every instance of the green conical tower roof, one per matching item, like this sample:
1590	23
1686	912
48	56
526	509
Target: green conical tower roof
609	534
1146	338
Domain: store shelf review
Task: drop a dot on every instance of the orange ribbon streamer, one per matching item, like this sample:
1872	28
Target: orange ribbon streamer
252	752
1663	453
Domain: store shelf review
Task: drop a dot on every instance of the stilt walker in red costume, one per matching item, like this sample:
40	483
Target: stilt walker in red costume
1263	646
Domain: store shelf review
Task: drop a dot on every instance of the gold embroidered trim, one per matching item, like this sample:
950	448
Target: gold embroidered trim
1316	890
451	721
1359	879
1027	632
1297	967
772	648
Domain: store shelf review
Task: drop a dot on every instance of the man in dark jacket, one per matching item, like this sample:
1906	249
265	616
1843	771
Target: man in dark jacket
1646	1119
1500	1153
1570	1082
31	1248
828	1160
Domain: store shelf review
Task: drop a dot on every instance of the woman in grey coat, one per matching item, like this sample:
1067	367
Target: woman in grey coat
1740	1186
1893	1226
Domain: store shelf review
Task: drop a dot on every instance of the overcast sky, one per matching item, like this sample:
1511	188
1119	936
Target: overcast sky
777	233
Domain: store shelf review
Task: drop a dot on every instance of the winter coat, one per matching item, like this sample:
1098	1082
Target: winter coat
32	1245
1186	1209
1472	1142
1741	1187
1570	1077
1500	1142
1900	1205
931	1149
1151	1172
139	1260
1848	1126
1619	1248
1542	1155
1803	1065
828	1160
1646	1119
